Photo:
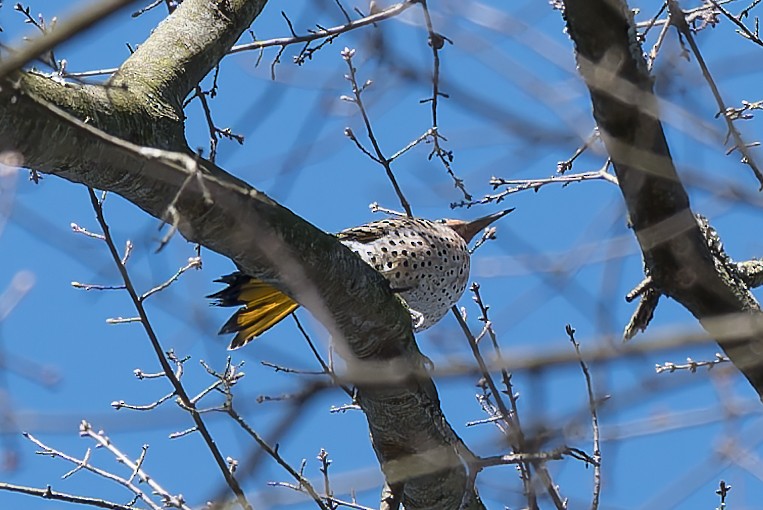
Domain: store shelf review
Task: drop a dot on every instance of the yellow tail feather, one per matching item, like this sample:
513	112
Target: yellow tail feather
255	320
264	307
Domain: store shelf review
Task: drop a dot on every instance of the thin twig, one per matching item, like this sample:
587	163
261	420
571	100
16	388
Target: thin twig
65	30
743	30
357	90
332	500
564	166
135	467
678	20
594	421
518	185
179	365
376	208
430	133
437	41
85	464
194	174
147	8
121	404
691	365
193	263
179	390
323	458
548	484
86	74
44	29
93	286
287	370
514	423
49	493
389	12
520	458
326	368
274	453
122	320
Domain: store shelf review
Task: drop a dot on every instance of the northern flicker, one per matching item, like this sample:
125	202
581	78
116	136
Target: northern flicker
427	262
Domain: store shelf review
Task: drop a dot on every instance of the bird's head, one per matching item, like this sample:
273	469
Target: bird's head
468	229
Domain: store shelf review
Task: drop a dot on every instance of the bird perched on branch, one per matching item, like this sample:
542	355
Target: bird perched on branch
427	262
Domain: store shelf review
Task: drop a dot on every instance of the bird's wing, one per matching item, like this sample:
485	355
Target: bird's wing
366	233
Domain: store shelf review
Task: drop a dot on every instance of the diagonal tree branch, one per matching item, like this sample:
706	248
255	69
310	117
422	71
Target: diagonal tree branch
185	47
676	252
127	137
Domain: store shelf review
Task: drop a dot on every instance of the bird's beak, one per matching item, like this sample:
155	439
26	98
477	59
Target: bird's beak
469	229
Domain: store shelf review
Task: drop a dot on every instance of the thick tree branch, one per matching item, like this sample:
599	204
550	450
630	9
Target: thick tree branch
185	47
676	253
127	137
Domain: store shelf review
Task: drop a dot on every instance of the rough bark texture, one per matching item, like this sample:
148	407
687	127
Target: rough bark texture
676	253
127	138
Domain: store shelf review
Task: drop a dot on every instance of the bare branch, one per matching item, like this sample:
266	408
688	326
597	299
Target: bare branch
389	12
678	20
592	405
379	157
49	493
658	207
179	390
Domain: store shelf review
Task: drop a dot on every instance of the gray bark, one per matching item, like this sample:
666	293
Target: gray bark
678	256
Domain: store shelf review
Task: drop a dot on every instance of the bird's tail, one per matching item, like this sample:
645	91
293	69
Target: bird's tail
263	307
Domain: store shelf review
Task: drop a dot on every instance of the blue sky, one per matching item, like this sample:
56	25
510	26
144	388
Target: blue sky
516	108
